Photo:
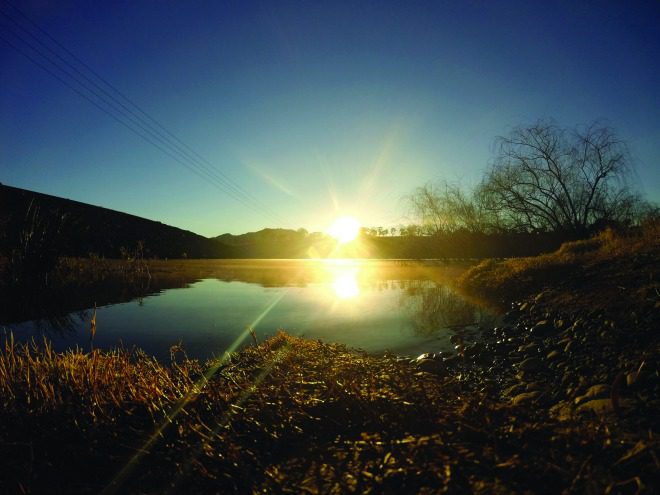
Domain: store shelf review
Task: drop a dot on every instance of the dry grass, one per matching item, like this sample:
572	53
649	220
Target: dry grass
287	416
582	266
35	379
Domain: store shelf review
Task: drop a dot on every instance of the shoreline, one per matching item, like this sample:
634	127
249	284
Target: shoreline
559	398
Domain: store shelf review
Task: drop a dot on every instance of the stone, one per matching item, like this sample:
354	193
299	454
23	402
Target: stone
600	407
631	378
473	350
426	355
597	391
431	366
594	392
514	389
451	360
531	347
542	327
552	355
562	411
525	398
530	364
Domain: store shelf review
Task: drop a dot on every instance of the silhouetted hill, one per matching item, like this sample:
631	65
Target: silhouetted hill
78	229
71	228
279	243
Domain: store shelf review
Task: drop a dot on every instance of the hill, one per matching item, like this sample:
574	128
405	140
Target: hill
72	228
279	243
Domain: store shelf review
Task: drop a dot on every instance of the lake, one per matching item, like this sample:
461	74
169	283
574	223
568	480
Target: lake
398	306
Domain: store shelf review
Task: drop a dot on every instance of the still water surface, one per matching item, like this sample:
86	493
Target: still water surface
373	305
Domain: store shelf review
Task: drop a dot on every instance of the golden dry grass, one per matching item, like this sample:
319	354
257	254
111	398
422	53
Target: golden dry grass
287	416
591	265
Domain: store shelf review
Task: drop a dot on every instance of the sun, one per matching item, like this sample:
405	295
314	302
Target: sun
345	229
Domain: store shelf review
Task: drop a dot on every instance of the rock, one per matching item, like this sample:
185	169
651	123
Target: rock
475	349
577	325
643	375
631	378
530	364
510	316
594	392
525	398
431	366
426	355
562	411
531	347
552	355
514	389
451	360
597	391
600	407
542	327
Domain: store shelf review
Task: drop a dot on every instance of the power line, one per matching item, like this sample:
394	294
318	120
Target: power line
86	97
207	174
118	92
184	153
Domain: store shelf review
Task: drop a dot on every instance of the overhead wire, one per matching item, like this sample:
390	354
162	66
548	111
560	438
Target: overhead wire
122	95
175	148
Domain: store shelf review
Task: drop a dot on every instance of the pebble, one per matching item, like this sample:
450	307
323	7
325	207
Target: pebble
431	366
595	392
530	364
525	398
601	407
543	327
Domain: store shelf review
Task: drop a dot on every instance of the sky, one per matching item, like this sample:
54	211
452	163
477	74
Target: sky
247	115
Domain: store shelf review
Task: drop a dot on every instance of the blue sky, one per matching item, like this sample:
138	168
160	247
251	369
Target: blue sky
316	109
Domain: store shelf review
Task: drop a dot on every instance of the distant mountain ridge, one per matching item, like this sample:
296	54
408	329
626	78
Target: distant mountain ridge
279	243
80	229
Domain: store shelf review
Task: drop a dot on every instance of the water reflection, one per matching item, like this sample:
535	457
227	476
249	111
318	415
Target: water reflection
374	305
434	307
346	284
344	277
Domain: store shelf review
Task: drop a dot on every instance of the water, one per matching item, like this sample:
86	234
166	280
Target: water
371	305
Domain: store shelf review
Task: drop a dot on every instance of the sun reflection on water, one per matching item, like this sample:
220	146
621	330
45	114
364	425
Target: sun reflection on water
345	284
344	278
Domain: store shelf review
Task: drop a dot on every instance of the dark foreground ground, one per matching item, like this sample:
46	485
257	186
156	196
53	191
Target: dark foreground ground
563	398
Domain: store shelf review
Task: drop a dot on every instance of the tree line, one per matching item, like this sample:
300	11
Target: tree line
544	178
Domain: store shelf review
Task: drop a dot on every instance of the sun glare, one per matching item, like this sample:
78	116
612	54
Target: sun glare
345	229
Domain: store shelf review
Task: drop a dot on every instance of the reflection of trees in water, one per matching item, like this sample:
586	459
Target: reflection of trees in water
61	324
433	306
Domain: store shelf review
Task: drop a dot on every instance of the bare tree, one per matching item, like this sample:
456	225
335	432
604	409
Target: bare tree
548	178
445	208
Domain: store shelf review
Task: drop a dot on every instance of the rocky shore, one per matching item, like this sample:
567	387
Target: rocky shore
569	365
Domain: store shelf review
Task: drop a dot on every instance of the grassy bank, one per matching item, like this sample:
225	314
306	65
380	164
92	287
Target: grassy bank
610	272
